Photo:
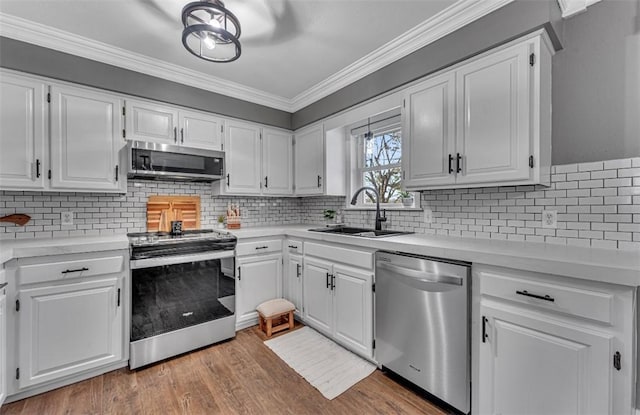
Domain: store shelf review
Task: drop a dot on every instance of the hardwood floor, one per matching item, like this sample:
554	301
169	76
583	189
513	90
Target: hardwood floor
239	376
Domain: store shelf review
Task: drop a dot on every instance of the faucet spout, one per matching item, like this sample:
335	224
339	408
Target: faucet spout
379	219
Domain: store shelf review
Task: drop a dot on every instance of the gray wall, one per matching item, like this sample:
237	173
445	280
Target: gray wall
596	85
47	62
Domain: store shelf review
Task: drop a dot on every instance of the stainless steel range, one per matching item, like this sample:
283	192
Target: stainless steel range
183	293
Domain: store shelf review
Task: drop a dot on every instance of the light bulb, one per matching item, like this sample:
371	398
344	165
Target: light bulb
209	42
215	23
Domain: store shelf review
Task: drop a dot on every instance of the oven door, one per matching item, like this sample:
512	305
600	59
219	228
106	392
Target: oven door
173	293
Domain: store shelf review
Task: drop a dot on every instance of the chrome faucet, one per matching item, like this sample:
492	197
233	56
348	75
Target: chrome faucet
379	219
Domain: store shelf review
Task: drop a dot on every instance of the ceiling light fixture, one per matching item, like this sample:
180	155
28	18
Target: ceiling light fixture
211	32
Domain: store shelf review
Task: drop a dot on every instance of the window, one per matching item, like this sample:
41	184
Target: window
376	161
380	167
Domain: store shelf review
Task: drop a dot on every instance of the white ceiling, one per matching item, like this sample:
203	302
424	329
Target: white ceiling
288	46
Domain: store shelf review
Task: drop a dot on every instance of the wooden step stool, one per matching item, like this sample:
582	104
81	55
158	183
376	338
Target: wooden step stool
278	311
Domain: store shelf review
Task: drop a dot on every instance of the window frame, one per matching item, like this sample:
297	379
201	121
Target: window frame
360	169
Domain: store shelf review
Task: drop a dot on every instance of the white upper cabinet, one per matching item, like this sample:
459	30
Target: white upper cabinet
85	140
309	155
57	137
23	132
149	121
259	161
146	121
494	112
277	162
484	122
429	131
200	130
242	158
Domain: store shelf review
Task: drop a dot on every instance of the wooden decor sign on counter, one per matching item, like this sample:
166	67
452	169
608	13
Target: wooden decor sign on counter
161	210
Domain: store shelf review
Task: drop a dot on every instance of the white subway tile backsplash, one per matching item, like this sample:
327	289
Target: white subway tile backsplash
598	204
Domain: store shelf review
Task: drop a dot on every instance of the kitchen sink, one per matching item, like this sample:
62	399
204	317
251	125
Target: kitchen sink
364	232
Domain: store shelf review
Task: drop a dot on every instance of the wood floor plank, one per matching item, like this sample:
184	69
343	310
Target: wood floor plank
240	376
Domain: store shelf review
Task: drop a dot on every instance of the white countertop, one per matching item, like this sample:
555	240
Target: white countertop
604	265
23	248
612	266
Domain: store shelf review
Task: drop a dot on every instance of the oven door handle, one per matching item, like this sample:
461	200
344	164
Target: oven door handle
179	259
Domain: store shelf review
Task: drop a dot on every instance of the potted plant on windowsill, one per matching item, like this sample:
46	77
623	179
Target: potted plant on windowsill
329	215
407	199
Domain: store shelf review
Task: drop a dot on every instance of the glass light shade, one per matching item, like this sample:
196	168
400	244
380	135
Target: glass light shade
211	32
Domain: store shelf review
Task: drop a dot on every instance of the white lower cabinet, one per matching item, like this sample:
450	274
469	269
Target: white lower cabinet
534	365
258	279
338	301
550	345
293	284
318	297
65	329
3	338
70	318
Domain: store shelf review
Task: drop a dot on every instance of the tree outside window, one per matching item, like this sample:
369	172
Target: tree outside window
381	164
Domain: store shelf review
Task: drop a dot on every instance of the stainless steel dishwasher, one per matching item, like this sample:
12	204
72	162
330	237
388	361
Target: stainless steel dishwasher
422	324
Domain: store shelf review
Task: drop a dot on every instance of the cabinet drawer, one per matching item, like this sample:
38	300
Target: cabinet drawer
353	257
53	271
293	246
577	301
259	247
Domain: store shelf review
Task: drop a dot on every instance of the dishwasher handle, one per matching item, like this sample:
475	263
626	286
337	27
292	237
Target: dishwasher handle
427	280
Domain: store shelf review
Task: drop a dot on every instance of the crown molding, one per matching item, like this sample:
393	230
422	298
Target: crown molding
447	21
46	36
570	8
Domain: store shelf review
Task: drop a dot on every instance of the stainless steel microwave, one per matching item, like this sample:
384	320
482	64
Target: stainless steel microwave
169	162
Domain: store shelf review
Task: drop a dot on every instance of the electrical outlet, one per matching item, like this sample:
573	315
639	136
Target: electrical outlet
428	216
550	219
67	218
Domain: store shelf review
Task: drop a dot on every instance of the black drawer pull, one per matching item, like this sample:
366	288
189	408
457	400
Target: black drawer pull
262	247
450	162
293	247
539	297
328	283
75	270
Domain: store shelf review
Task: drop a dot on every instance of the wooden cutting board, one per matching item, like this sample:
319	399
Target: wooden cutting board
161	210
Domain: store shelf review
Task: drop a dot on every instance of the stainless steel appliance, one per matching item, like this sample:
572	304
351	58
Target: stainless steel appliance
422	324
182	293
168	162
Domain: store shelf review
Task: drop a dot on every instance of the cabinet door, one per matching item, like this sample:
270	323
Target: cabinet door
531	365
85	140
317	297
277	162
309	161
23	122
151	122
242	158
293	284
428	133
3	346
259	280
200	130
352	309
67	329
493	130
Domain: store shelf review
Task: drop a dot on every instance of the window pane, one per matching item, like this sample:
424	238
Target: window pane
382	149
387	182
